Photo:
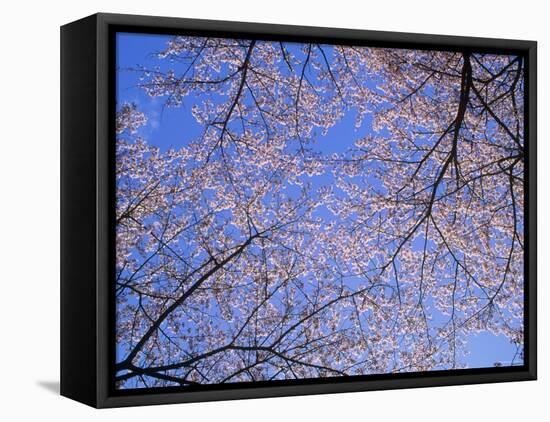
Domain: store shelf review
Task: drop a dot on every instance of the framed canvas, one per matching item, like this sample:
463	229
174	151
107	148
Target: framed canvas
253	210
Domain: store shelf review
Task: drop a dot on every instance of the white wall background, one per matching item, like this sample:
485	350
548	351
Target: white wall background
29	209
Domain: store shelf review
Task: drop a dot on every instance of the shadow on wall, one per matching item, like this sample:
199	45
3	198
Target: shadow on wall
51	386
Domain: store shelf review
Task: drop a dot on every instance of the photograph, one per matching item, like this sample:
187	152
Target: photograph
302	210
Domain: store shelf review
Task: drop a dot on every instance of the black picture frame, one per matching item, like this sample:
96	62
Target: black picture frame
87	198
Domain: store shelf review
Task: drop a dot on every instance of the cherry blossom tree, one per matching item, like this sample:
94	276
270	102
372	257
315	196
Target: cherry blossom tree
232	265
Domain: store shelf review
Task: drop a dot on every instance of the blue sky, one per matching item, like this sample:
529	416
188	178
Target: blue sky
175	127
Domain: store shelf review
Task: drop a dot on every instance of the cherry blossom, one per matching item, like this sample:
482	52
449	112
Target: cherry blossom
233	266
